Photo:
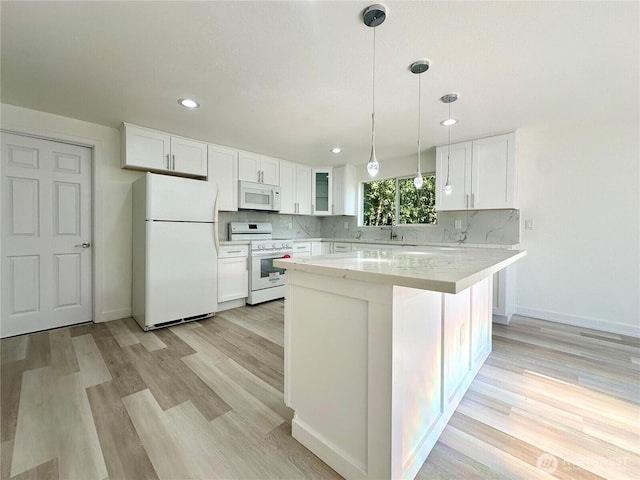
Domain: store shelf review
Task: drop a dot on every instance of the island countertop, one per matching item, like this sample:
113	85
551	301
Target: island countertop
439	269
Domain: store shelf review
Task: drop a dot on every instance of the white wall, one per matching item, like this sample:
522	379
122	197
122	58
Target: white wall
580	186
111	242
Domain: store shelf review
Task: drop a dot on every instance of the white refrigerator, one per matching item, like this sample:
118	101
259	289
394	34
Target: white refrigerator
175	250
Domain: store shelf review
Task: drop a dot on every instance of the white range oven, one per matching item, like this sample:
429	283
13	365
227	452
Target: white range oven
266	282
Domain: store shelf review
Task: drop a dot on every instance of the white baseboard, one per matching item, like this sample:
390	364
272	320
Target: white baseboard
115	314
586	322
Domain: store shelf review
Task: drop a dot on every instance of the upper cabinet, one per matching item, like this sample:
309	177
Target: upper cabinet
295	188
223	170
253	167
321	191
482	174
146	149
345	190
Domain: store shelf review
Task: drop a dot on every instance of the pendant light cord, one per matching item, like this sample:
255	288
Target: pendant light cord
448	145
373	96
419	108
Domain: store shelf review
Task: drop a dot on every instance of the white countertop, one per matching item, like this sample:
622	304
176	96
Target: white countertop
440	269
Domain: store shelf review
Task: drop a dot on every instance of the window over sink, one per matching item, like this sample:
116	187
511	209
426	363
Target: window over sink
395	201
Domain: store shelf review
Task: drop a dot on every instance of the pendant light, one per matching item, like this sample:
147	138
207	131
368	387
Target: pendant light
373	16
449	98
419	67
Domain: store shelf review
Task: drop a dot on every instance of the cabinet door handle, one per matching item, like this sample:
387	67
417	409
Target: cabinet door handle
258	176
262	176
234	251
473	200
466	197
168	162
174	161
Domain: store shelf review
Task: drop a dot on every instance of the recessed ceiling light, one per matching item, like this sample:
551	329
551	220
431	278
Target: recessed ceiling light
188	103
336	150
448	122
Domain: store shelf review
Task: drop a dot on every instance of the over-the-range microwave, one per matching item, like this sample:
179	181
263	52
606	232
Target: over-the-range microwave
258	196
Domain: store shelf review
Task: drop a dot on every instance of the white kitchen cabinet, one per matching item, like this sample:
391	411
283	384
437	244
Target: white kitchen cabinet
223	170
321	191
459	170
316	248
233	276
301	249
326	248
482	174
345	190
341	247
253	167
295	188
151	150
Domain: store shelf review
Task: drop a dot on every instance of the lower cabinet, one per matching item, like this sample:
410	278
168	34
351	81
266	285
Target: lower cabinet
233	276
341	247
301	249
326	248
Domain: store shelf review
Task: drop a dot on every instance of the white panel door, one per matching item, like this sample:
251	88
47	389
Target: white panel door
249	167
147	149
189	156
223	171
269	170
287	184
493	174
303	189
46	234
458	165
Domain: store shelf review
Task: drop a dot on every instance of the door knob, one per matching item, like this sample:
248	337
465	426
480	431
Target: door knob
83	245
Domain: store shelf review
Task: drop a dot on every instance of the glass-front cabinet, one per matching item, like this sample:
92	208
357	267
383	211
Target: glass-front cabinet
321	193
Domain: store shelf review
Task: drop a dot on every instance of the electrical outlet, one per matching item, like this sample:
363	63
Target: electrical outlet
290	225
458	224
346	225
528	224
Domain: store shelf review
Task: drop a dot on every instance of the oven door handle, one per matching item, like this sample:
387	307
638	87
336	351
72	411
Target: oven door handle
279	254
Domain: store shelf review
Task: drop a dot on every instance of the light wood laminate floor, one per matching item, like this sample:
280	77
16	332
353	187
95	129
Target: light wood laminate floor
204	401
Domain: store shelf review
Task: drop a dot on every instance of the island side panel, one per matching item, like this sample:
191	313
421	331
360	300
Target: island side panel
417	391
440	342
338	369
481	323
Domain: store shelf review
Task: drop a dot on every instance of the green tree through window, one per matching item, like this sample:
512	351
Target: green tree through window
396	201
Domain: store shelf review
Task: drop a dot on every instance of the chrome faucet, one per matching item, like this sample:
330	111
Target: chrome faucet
392	234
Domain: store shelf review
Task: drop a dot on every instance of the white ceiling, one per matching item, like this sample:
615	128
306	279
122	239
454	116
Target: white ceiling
292	79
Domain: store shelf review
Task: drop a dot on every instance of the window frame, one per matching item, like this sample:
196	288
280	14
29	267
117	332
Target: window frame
397	202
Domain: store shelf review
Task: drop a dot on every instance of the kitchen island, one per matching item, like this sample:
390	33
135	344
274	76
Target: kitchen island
380	347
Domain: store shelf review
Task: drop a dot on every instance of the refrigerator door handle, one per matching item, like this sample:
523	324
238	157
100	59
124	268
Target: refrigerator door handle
215	224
